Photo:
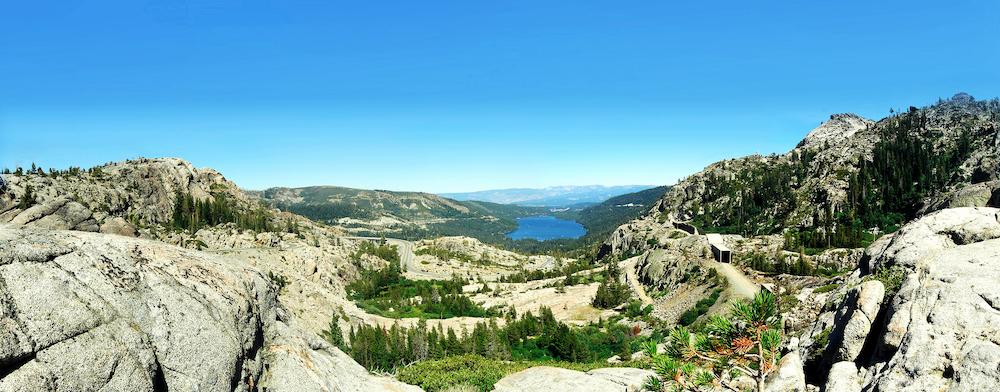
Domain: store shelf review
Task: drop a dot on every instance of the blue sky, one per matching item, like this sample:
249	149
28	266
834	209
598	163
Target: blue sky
463	96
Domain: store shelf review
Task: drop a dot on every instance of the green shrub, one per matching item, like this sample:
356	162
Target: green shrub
700	308
278	280
823	338
892	278
474	371
826	289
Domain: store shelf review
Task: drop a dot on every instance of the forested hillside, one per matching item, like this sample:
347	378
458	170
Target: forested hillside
849	178
602	218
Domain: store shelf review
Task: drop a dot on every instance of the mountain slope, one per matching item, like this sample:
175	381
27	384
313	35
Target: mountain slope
847	177
411	215
556	196
601	219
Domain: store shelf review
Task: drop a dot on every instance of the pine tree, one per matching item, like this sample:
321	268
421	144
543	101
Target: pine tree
333	334
27	198
746	343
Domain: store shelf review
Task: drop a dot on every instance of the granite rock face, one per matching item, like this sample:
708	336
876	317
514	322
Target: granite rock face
143	189
942	328
789	377
938	325
853	321
85	312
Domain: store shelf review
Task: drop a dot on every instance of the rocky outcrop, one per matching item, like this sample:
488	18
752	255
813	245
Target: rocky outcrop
60	213
843	378
943	326
853	321
789	377
666	269
938	328
638	236
141	189
984	194
551	379
86	311
118	225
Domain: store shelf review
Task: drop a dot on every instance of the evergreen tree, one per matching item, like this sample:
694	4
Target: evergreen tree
746	343
333	334
612	291
27	198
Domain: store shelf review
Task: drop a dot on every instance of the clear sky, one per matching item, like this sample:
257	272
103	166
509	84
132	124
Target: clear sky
467	95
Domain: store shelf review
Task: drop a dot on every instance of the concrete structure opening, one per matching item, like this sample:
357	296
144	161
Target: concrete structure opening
719	249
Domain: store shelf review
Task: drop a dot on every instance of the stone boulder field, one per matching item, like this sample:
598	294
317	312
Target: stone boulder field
87	311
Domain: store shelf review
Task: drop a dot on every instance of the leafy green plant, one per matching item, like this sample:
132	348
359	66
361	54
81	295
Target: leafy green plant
892	278
278	280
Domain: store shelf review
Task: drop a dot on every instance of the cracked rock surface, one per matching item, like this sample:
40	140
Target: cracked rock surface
86	311
940	329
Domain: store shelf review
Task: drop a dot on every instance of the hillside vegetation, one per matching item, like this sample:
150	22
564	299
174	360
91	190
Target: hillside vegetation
850	180
406	215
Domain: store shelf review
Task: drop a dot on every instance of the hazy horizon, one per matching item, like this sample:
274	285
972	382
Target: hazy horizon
460	97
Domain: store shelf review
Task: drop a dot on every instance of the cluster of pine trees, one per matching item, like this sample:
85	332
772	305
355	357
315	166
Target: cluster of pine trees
192	214
72	171
762	197
567	270
904	169
612	291
380	249
386	292
527	337
780	264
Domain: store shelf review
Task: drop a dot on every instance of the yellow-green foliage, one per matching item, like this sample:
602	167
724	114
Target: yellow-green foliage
892	278
476	371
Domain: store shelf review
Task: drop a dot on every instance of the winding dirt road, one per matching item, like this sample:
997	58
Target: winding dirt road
739	284
633	280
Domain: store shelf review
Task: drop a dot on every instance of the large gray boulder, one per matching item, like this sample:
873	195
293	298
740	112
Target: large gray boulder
940	329
853	321
843	378
86	312
552	379
118	225
943	329
59	213
789	377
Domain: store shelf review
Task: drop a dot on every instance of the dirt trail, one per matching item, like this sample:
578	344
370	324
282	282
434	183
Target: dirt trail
739	284
633	280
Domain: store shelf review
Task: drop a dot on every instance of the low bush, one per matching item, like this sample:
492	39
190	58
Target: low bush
892	278
700	308
474	371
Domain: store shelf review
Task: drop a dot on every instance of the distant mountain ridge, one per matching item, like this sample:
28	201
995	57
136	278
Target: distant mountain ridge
553	196
410	215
